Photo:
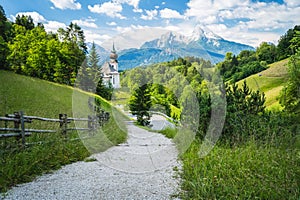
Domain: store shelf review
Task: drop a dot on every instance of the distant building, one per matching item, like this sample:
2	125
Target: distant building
109	70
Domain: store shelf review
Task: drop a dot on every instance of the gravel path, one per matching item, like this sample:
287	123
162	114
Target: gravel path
141	168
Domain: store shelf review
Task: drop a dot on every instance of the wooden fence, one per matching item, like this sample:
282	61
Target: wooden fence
19	120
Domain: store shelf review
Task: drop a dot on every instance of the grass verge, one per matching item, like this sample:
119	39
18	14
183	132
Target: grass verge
41	98
245	172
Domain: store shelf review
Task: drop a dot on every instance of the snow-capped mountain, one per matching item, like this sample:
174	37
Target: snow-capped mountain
200	38
201	32
170	45
167	40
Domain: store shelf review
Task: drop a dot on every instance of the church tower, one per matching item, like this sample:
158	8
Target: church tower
110	69
113	58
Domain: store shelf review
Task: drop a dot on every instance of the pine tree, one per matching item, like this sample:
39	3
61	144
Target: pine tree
103	90
140	104
94	69
84	81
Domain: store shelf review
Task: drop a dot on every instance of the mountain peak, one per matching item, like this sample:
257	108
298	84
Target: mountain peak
172	36
201	32
169	39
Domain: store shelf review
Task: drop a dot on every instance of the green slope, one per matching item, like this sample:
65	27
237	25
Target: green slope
37	97
269	81
46	99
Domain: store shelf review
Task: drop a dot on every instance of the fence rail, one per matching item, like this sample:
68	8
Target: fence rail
19	120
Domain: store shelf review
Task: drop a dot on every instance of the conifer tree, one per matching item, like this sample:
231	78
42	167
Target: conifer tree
140	104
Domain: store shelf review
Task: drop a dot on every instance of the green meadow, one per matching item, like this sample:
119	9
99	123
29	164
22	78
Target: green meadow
47	152
269	81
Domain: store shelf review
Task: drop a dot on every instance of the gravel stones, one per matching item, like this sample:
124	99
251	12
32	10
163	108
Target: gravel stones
141	168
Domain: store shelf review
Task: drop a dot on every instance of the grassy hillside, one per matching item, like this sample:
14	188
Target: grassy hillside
269	81
41	98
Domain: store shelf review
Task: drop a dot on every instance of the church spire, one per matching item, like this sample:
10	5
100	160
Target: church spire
113	49
113	54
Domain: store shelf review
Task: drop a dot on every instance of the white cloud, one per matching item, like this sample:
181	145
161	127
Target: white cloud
92	36
111	9
66	4
53	26
292	3
248	22
137	10
151	14
169	13
89	23
134	3
203	8
36	17
250	37
134	36
111	23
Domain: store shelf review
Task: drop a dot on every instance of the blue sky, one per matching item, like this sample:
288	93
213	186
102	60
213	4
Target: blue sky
245	21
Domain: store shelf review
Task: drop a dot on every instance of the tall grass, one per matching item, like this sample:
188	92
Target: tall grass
259	159
249	171
19	165
41	98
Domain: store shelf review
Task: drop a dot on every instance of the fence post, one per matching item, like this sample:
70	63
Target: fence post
63	123
91	125
90	122
17	123
22	128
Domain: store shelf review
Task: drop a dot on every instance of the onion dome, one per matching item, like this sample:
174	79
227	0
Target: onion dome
113	54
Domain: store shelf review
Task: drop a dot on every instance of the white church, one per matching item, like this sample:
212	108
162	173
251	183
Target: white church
109	70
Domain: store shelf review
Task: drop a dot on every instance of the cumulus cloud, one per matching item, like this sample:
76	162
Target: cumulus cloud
36	17
134	3
66	4
150	15
258	14
92	36
111	9
169	14
137	10
53	26
89	23
134	36
292	3
111	23
248	22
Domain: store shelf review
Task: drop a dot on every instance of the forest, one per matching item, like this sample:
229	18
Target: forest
29	50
